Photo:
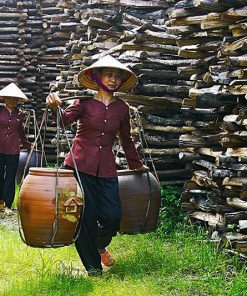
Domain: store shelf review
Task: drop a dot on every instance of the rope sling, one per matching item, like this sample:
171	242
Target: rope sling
43	123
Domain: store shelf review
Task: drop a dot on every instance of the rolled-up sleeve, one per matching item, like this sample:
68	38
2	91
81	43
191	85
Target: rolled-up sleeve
71	113
132	156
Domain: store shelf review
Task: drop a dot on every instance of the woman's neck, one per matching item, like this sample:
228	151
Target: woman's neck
104	96
10	109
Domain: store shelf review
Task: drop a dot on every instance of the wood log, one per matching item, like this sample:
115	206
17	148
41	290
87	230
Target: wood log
161	140
221	78
236	166
162	163
162	88
211	140
230	49
191	141
187	207
208	205
165	100
130	3
234	181
237	152
240	73
208	5
161	120
237	203
242	226
190	70
183	21
238	89
169	49
231	218
189	185
220	174
202	179
225	161
237	61
169	129
209	152
186	52
171	182
162	74
202	4
241	246
171	174
237	12
164	152
208	24
177	30
212	219
181	12
242	159
205	164
215	91
233	238
189	156
158	37
207	114
133	20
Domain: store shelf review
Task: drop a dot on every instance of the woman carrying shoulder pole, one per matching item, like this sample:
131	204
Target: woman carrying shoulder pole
99	120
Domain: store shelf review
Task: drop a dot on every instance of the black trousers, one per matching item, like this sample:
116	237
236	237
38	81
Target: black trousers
8	168
101	218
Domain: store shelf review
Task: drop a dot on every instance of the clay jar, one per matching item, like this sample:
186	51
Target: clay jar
141	201
45	222
35	161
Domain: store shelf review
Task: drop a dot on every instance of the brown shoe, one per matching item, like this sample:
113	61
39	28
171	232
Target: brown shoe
107	258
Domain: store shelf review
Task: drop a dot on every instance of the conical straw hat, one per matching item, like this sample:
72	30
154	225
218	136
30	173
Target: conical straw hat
12	91
108	61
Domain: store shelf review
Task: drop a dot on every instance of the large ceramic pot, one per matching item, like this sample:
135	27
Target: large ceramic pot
47	221
141	201
35	161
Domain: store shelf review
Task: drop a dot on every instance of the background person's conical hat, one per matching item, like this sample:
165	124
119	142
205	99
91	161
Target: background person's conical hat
12	91
108	61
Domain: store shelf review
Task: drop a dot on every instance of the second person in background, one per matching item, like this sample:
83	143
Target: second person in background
12	135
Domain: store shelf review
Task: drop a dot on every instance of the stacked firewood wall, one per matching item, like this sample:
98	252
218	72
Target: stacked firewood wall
190	60
136	35
214	34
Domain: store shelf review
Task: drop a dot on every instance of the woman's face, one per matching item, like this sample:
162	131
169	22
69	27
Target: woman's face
11	102
112	78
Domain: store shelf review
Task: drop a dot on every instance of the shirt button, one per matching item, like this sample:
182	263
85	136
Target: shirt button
105	120
102	134
100	147
106	108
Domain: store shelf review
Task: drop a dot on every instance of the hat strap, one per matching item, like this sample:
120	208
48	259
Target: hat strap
101	84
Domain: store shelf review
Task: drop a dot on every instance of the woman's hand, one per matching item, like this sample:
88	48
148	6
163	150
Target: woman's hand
53	100
142	169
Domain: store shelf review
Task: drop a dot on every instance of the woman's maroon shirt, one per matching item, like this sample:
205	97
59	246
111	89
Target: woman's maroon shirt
97	127
12	132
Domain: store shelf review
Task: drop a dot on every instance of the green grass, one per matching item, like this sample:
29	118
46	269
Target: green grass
174	261
184	263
